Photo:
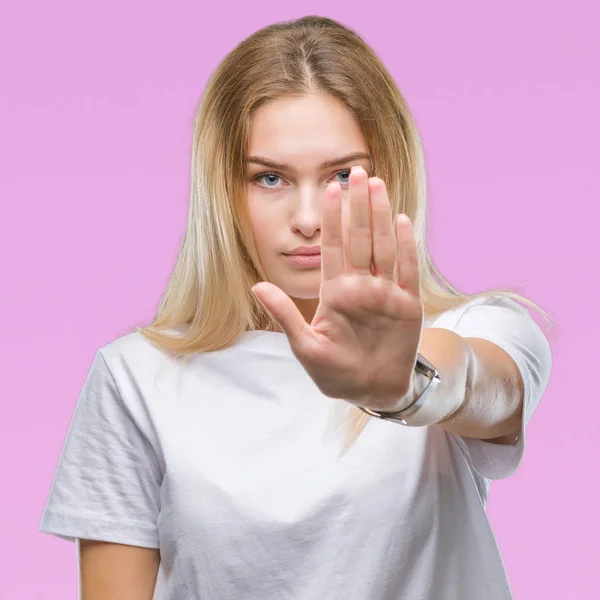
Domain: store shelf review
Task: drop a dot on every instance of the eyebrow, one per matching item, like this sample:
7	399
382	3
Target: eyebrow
260	160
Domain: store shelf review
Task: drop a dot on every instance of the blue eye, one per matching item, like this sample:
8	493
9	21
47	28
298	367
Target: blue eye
344	171
260	176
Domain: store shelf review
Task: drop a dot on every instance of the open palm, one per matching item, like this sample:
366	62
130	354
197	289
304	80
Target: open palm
362	343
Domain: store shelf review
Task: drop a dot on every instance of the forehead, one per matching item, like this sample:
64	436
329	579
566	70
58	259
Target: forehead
305	130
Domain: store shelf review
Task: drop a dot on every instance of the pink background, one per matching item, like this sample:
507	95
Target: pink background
96	108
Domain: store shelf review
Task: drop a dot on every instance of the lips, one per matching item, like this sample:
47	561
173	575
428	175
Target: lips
304	251
304	260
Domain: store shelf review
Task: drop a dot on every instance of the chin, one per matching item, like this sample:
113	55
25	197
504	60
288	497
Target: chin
304	296
303	290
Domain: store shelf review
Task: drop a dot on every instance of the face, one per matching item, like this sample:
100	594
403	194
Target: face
284	199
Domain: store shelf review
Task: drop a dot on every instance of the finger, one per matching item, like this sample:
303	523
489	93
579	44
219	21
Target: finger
359	247
332	242
286	313
384	235
408	260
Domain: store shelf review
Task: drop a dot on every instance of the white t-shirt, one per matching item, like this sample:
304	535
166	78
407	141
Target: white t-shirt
226	464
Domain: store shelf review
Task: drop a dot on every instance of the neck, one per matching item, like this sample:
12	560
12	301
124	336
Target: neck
307	307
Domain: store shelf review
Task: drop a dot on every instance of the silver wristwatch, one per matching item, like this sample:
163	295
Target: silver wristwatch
424	367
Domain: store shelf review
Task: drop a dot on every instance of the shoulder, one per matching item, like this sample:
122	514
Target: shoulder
509	325
482	308
504	321
132	355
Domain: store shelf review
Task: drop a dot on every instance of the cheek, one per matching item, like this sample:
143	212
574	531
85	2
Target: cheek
265	227
257	215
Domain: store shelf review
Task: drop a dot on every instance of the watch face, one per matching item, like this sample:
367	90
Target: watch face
425	367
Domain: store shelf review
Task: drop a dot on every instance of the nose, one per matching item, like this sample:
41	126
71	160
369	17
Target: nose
306	212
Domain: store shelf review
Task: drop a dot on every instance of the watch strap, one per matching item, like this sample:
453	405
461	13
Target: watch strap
425	368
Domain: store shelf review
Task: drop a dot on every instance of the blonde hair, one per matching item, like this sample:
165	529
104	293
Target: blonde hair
208	297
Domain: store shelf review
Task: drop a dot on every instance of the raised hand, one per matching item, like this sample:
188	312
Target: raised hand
363	340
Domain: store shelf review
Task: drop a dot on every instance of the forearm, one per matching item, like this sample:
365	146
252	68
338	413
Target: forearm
480	394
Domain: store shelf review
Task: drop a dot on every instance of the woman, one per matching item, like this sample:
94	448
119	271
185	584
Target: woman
204	458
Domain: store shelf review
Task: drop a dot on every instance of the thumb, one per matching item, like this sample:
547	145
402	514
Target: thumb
282	307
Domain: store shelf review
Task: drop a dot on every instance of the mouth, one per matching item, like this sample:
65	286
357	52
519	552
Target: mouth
307	260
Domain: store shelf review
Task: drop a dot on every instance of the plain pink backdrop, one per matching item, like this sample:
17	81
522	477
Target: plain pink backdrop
96	109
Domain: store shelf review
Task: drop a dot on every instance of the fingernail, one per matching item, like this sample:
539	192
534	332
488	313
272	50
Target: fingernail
355	168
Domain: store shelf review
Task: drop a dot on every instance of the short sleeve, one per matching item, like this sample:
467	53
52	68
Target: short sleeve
506	323
107	483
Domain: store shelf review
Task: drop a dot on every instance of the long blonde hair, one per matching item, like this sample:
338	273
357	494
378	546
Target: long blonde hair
208	297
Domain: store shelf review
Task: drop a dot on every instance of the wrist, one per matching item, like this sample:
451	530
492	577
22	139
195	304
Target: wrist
418	384
409	398
424	379
415	388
